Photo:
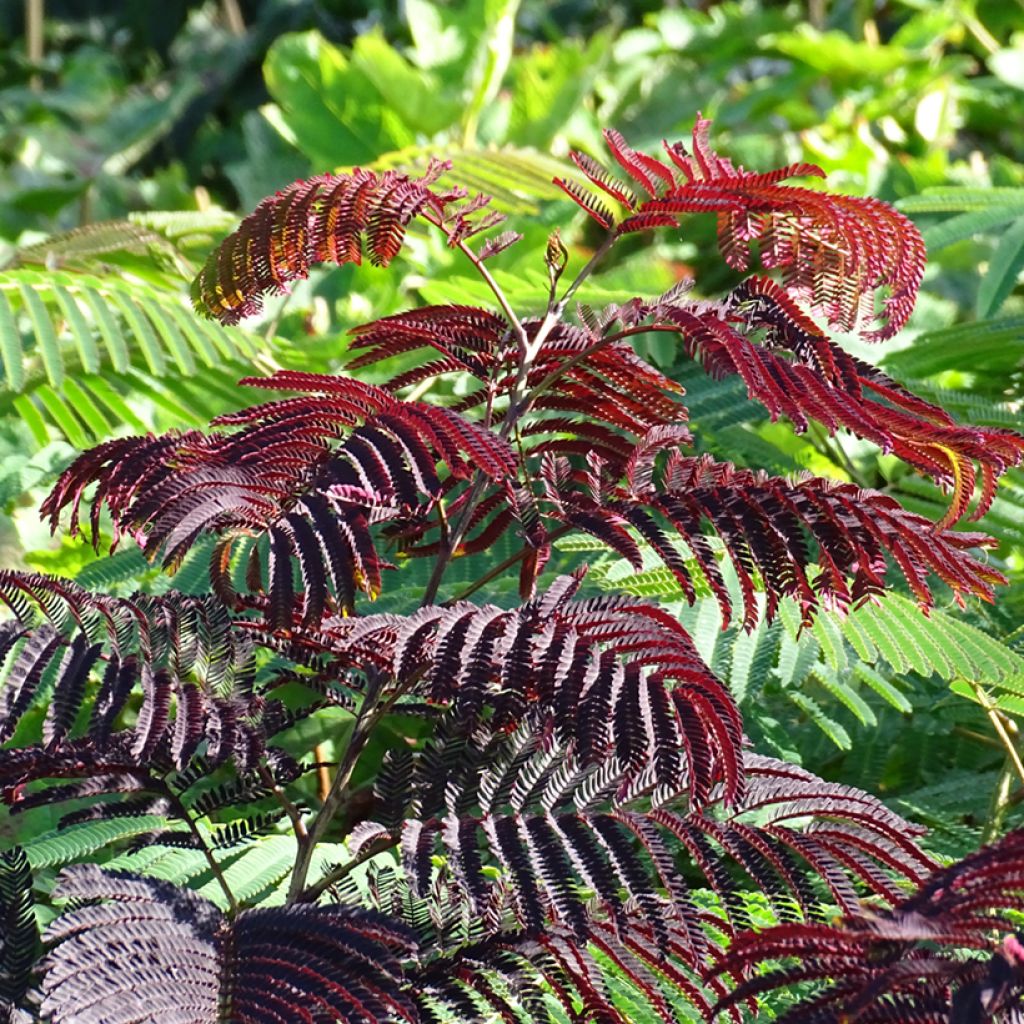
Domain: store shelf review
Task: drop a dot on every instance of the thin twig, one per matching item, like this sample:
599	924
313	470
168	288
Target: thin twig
1000	724
588	268
182	811
519	401
294	814
367	717
988	41
832	449
507	563
312	892
233	17
35	19
1002	799
323	776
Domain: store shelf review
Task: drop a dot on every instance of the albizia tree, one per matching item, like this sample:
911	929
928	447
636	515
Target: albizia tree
574	778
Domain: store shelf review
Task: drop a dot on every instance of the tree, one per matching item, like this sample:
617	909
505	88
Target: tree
562	779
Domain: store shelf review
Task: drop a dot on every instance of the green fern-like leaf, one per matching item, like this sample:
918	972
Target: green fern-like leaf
517	179
80	344
258	869
77	842
995	345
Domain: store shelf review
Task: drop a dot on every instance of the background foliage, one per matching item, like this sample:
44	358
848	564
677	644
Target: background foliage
132	140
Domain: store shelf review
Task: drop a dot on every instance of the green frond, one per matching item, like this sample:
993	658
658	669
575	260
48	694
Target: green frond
975	222
885	689
1004	267
995	346
954	199
81	349
822	719
950	809
124	566
86	244
841	690
67	845
189	230
260	866
975	406
517	179
1004	520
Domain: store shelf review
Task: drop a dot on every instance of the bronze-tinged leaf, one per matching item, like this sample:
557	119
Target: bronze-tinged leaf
836	252
332	218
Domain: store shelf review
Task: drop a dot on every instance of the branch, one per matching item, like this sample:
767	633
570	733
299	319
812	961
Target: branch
215	868
294	815
519	402
370	713
312	892
507	563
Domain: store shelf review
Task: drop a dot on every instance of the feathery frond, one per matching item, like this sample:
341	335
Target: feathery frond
951	952
327	219
184	959
835	251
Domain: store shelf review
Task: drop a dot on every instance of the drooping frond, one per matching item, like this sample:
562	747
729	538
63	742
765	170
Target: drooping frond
183	960
623	674
329	218
794	370
951	952
284	475
773	531
592	395
835	251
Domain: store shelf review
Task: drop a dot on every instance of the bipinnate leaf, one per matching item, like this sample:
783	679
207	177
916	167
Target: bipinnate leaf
950	953
279	470
835	251
332	218
180	959
19	936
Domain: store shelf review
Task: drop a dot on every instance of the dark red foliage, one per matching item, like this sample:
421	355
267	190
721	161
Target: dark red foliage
948	954
580	768
327	219
299	471
835	251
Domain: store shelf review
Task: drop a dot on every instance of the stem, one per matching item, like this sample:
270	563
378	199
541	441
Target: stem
183	813
588	268
832	449
34	20
366	719
988	42
323	776
1001	801
294	816
1003	728
310	894
233	17
488	278
519	402
977	737
453	540
507	563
